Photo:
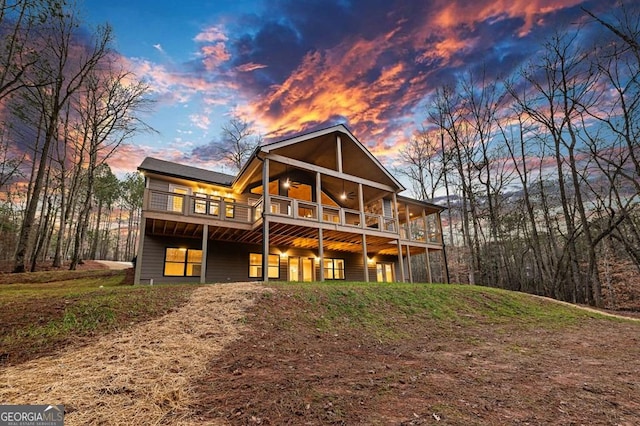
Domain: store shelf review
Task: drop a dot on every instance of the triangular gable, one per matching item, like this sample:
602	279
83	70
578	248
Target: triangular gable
320	148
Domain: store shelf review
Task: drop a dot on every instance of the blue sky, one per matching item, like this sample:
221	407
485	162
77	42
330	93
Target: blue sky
290	66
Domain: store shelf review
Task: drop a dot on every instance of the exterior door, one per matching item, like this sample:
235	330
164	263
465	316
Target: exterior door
300	269
307	269
294	268
384	272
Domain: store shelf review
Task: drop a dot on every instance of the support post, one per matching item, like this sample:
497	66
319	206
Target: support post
365	259
138	265
409	264
363	224
400	261
205	240
321	254
265	220
319	195
428	266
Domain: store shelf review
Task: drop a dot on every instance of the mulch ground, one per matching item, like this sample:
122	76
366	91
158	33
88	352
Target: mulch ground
284	371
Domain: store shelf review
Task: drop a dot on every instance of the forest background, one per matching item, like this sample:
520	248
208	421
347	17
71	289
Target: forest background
539	170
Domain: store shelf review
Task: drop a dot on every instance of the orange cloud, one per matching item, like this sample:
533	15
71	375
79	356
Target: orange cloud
454	14
333	83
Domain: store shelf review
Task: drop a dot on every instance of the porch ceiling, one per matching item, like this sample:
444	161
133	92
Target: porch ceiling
280	235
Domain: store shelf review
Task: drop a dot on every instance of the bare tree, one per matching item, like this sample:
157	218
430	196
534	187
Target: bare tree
18	22
237	141
68	67
422	164
107	114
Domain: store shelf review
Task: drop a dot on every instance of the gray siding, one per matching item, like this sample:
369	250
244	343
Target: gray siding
229	262
153	258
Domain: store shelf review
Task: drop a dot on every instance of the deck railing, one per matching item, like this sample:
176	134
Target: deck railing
216	207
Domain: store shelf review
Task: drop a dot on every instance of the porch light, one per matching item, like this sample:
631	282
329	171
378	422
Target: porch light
284	254
287	183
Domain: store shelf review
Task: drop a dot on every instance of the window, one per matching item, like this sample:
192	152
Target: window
176	202
200	203
182	262
230	208
334	269
255	265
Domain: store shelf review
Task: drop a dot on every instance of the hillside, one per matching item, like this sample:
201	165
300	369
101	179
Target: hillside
333	353
424	354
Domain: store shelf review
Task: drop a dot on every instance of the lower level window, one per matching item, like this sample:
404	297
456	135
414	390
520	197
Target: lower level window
182	262
255	265
334	269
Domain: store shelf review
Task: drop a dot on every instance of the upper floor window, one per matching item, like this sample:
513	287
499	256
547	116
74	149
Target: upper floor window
176	202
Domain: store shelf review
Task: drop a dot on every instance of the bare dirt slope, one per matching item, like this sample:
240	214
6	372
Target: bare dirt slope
325	355
143	375
478	369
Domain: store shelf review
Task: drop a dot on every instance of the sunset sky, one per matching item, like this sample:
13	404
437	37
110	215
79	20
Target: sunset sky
290	66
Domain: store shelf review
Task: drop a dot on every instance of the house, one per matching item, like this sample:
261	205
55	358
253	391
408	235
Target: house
311	208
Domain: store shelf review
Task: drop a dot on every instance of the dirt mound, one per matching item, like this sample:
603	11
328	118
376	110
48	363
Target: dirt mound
139	376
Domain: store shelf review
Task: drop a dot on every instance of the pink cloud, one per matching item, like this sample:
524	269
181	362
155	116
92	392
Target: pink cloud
250	67
214	55
200	120
211	35
176	86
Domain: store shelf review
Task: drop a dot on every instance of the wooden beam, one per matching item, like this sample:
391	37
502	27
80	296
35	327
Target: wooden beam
339	153
328	172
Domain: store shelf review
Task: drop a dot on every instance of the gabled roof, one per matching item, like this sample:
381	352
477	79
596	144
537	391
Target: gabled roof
350	152
413	201
168	168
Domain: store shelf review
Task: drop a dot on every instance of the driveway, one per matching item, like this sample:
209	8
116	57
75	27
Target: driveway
116	265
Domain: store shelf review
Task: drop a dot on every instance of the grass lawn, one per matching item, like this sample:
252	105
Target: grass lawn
43	312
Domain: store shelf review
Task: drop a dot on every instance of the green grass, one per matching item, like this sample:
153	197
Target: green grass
49	309
52	309
388	310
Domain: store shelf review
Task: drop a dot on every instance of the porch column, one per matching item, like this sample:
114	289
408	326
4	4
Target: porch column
365	259
361	206
409	264
319	195
321	254
426	227
266	208
339	153
205	240
400	261
428	265
395	211
138	265
407	217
